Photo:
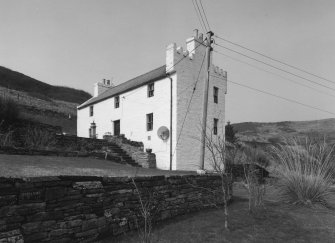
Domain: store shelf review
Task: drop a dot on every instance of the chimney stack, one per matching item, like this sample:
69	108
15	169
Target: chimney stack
102	86
192	44
196	33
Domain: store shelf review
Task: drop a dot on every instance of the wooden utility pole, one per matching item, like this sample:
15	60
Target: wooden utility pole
205	101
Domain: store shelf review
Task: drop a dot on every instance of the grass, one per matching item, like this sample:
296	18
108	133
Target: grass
18	81
306	170
276	223
52	112
30	166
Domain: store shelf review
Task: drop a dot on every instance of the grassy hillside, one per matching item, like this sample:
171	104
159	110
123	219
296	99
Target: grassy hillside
18	81
52	112
271	132
40	102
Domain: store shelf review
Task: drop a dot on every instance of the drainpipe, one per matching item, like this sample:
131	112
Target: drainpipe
171	123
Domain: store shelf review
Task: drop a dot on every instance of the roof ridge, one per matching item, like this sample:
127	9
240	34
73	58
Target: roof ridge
130	80
127	85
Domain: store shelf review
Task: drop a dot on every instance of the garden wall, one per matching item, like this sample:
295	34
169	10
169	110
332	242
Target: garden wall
72	141
76	209
131	148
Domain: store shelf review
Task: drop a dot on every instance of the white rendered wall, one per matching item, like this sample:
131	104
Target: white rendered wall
189	128
134	105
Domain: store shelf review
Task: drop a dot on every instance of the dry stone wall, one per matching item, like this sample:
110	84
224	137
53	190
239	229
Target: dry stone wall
146	160
82	209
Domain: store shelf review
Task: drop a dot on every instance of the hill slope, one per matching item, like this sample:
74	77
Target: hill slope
270	132
20	82
40	102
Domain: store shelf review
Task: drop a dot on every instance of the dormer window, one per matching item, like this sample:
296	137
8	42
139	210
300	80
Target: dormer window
151	89
117	102
91	110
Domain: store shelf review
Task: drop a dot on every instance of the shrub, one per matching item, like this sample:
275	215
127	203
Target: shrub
9	111
38	138
256	189
254	177
306	171
6	136
230	133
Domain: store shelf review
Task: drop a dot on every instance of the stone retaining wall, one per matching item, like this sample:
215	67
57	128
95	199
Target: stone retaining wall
146	160
135	151
72	141
82	209
62	153
132	148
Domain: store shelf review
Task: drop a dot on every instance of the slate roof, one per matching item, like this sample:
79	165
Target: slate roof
143	79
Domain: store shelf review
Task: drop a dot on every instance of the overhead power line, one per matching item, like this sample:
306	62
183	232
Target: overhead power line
276	60
261	69
270	65
186	55
203	10
197	13
279	97
125	96
189	104
198	9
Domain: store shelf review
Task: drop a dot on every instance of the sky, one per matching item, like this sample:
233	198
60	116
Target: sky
76	43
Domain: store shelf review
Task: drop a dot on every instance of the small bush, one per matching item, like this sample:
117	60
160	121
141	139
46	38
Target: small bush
254	177
38	138
306	171
6	136
9	111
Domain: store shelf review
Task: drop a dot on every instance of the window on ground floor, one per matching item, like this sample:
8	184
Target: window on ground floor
150	121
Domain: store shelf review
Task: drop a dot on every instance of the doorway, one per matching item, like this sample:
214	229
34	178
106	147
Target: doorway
116	127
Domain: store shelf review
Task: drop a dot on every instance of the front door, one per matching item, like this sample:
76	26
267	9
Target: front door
117	128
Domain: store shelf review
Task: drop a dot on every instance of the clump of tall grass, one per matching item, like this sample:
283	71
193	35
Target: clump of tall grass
6	136
9	111
38	138
306	171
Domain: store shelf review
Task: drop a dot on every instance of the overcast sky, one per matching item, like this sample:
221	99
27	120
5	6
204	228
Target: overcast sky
76	43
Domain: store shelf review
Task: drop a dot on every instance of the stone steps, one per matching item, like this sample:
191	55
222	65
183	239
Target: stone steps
125	158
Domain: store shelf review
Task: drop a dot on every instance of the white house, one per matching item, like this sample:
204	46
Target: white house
152	107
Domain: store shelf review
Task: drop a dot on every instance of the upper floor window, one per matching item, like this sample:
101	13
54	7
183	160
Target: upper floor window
215	126
91	110
117	102
151	89
216	94
150	121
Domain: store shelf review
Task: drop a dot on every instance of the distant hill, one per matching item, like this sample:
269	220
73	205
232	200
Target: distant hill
17	81
40	102
274	131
